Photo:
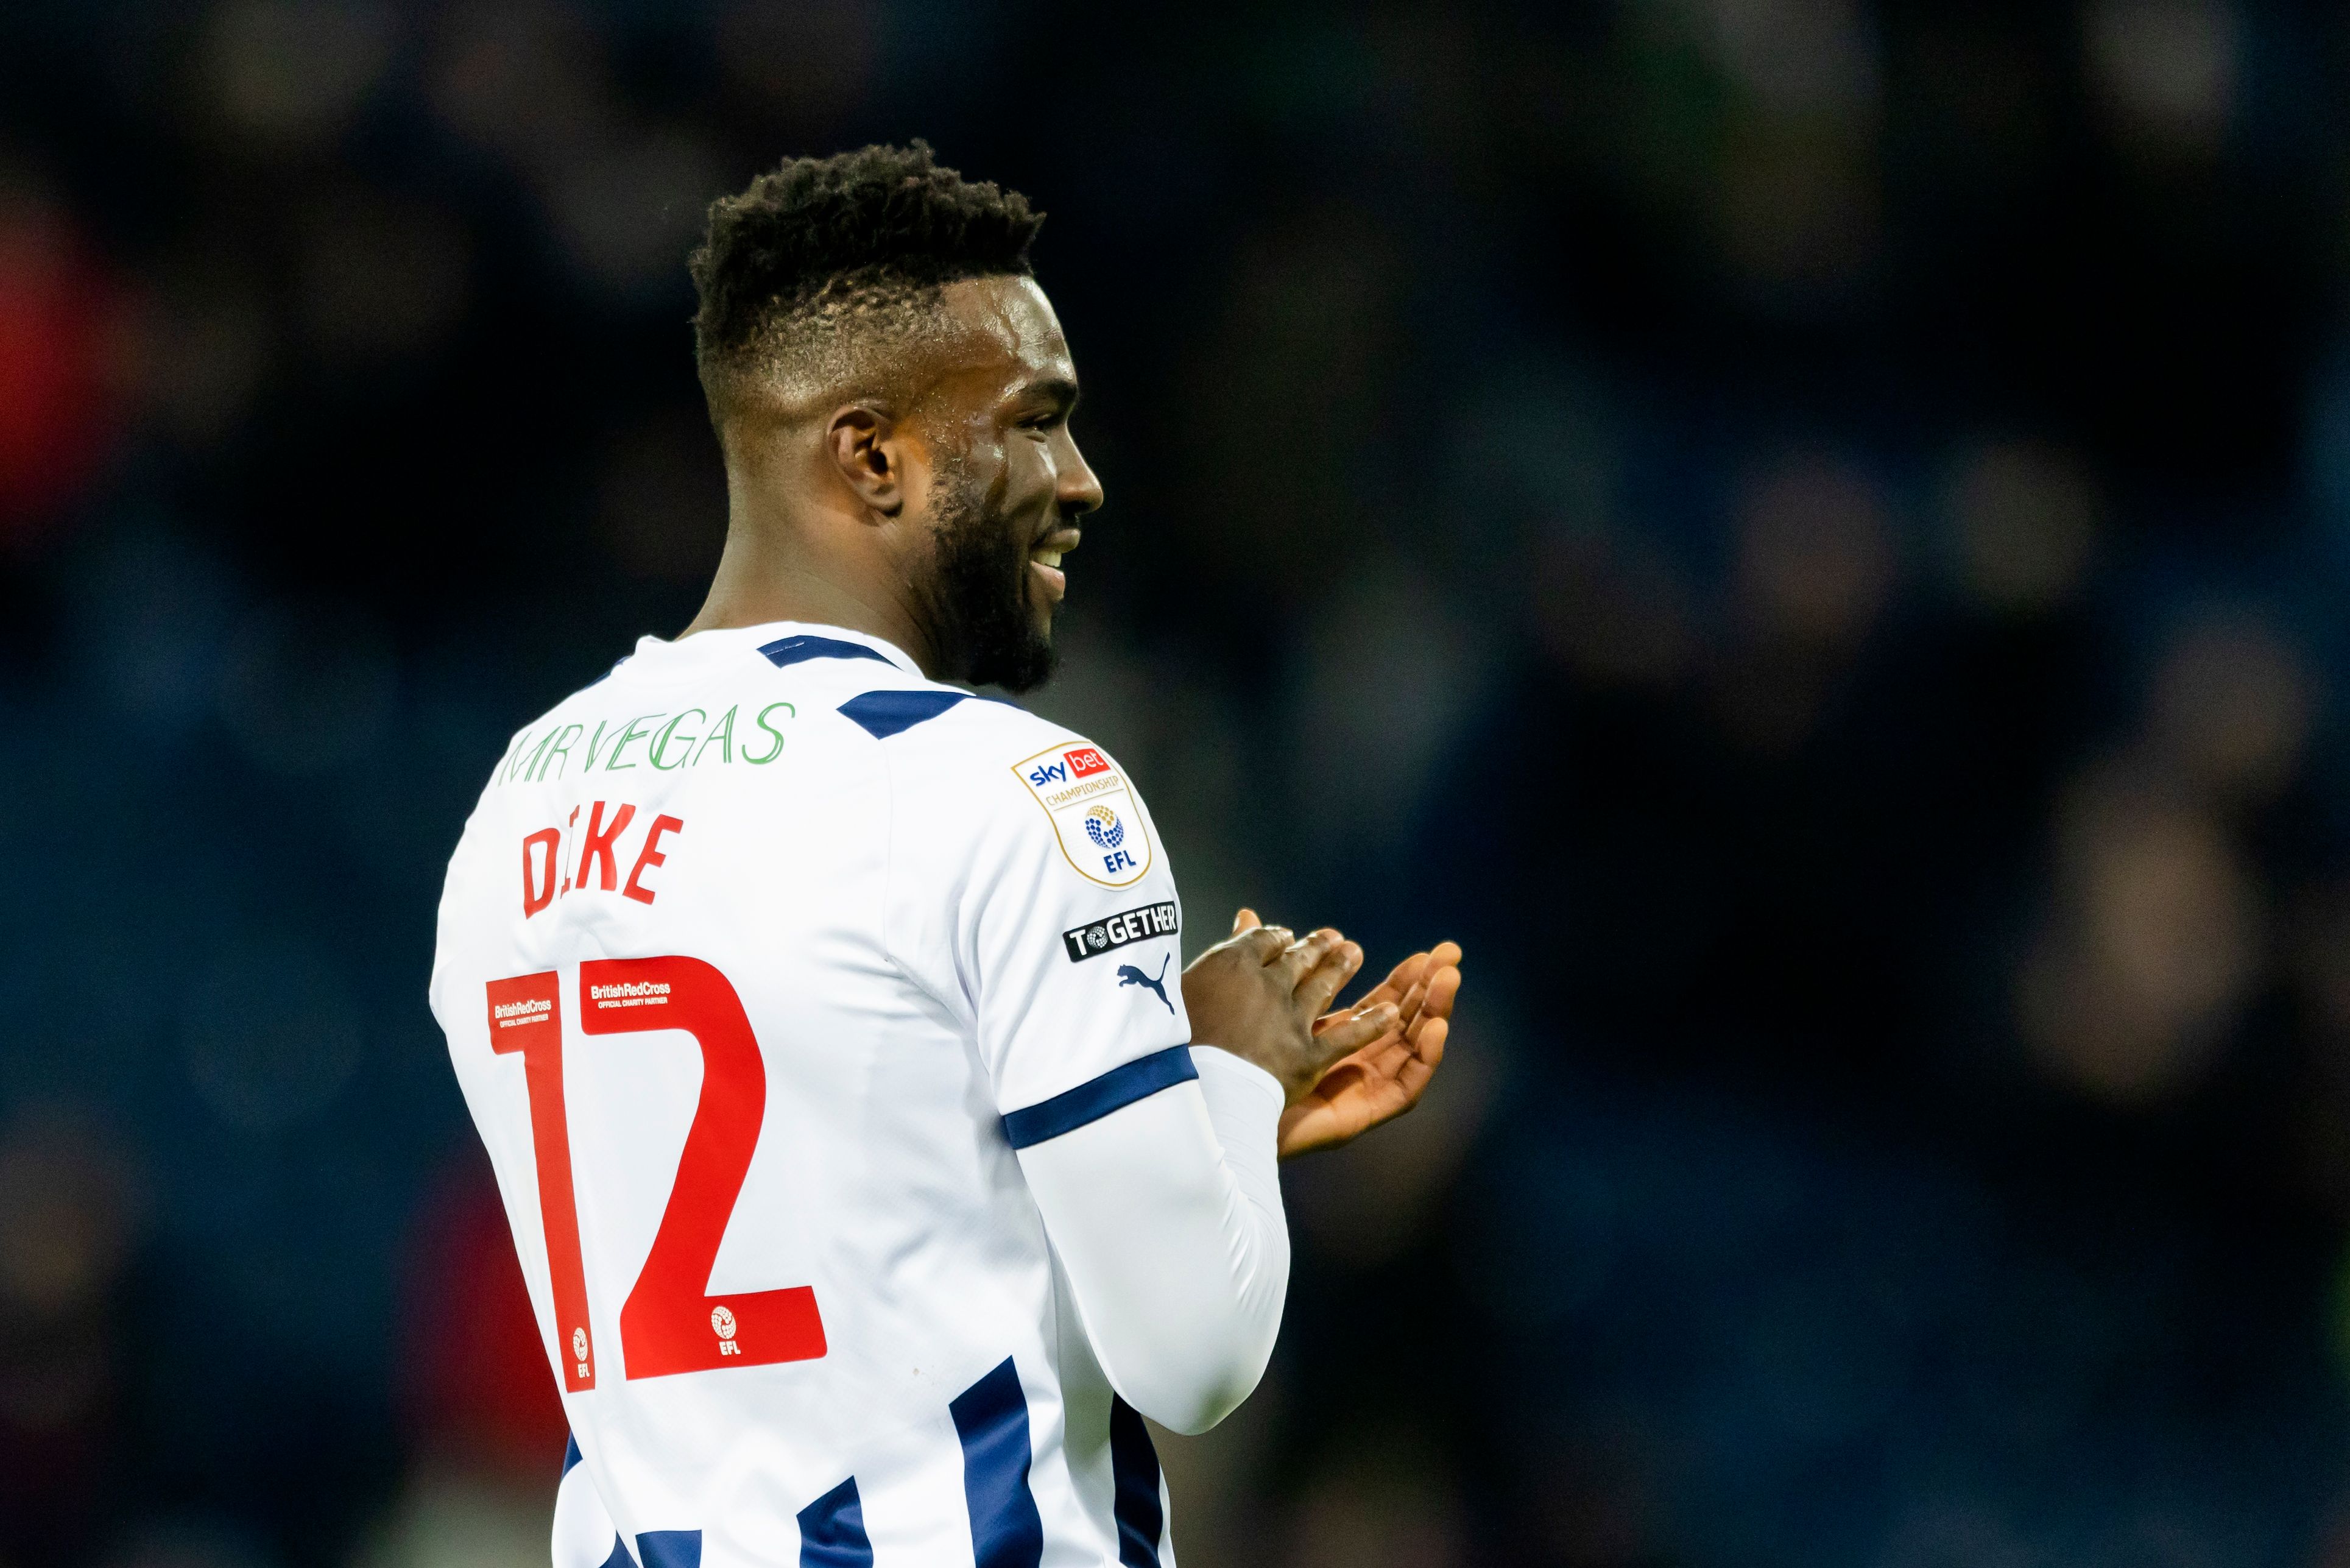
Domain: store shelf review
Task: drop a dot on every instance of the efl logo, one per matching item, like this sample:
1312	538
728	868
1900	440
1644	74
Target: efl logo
1093	810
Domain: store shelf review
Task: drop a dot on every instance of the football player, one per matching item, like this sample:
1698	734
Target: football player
871	1162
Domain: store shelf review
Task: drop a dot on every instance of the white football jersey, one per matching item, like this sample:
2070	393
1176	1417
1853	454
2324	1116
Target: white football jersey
752	1035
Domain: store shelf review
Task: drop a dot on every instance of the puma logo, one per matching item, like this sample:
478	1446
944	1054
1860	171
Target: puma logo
1129	975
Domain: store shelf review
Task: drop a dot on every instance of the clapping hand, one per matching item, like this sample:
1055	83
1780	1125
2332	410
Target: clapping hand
1381	1080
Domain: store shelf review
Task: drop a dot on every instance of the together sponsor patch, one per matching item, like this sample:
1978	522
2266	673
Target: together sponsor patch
1121	930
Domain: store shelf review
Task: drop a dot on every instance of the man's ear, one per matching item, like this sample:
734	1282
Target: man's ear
869	452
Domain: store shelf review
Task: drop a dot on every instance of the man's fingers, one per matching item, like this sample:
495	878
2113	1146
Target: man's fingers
1443	986
1415	970
1404	976
1320	985
1264	943
1427	1040
1305	955
1352	1032
1405	1000
1412	1074
1246	919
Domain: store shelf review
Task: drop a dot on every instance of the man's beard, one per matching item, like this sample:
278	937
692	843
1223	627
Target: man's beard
980	623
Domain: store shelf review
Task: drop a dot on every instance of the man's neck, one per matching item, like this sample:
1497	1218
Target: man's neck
756	586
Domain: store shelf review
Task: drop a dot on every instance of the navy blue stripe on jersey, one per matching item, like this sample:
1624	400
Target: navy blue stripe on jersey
1135	1465
570	1452
619	1557
1097	1097
799	650
832	1531
670	1549
885	713
990	1417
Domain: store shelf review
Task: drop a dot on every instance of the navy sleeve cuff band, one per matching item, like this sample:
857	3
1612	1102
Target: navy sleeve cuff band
1092	1100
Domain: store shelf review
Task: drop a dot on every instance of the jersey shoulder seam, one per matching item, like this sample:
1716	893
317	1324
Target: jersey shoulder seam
885	712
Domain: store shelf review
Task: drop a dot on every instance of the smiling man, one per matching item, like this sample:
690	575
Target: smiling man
864	1196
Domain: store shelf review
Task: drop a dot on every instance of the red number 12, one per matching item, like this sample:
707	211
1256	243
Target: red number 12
670	1323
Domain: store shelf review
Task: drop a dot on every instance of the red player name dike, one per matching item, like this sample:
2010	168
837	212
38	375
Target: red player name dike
1140	925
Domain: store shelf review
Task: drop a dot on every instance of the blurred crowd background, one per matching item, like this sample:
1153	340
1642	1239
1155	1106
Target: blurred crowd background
1808	536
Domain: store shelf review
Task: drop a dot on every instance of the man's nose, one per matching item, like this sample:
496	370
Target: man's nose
1081	490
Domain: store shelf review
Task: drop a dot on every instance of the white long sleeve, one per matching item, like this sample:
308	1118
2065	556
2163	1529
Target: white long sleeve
1166	1215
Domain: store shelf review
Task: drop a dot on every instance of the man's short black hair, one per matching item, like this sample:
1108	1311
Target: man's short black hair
821	250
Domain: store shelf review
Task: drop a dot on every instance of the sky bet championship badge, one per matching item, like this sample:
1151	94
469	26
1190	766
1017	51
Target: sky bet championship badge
1093	810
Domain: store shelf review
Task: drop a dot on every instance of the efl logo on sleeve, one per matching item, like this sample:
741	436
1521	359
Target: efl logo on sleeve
1093	810
1121	930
